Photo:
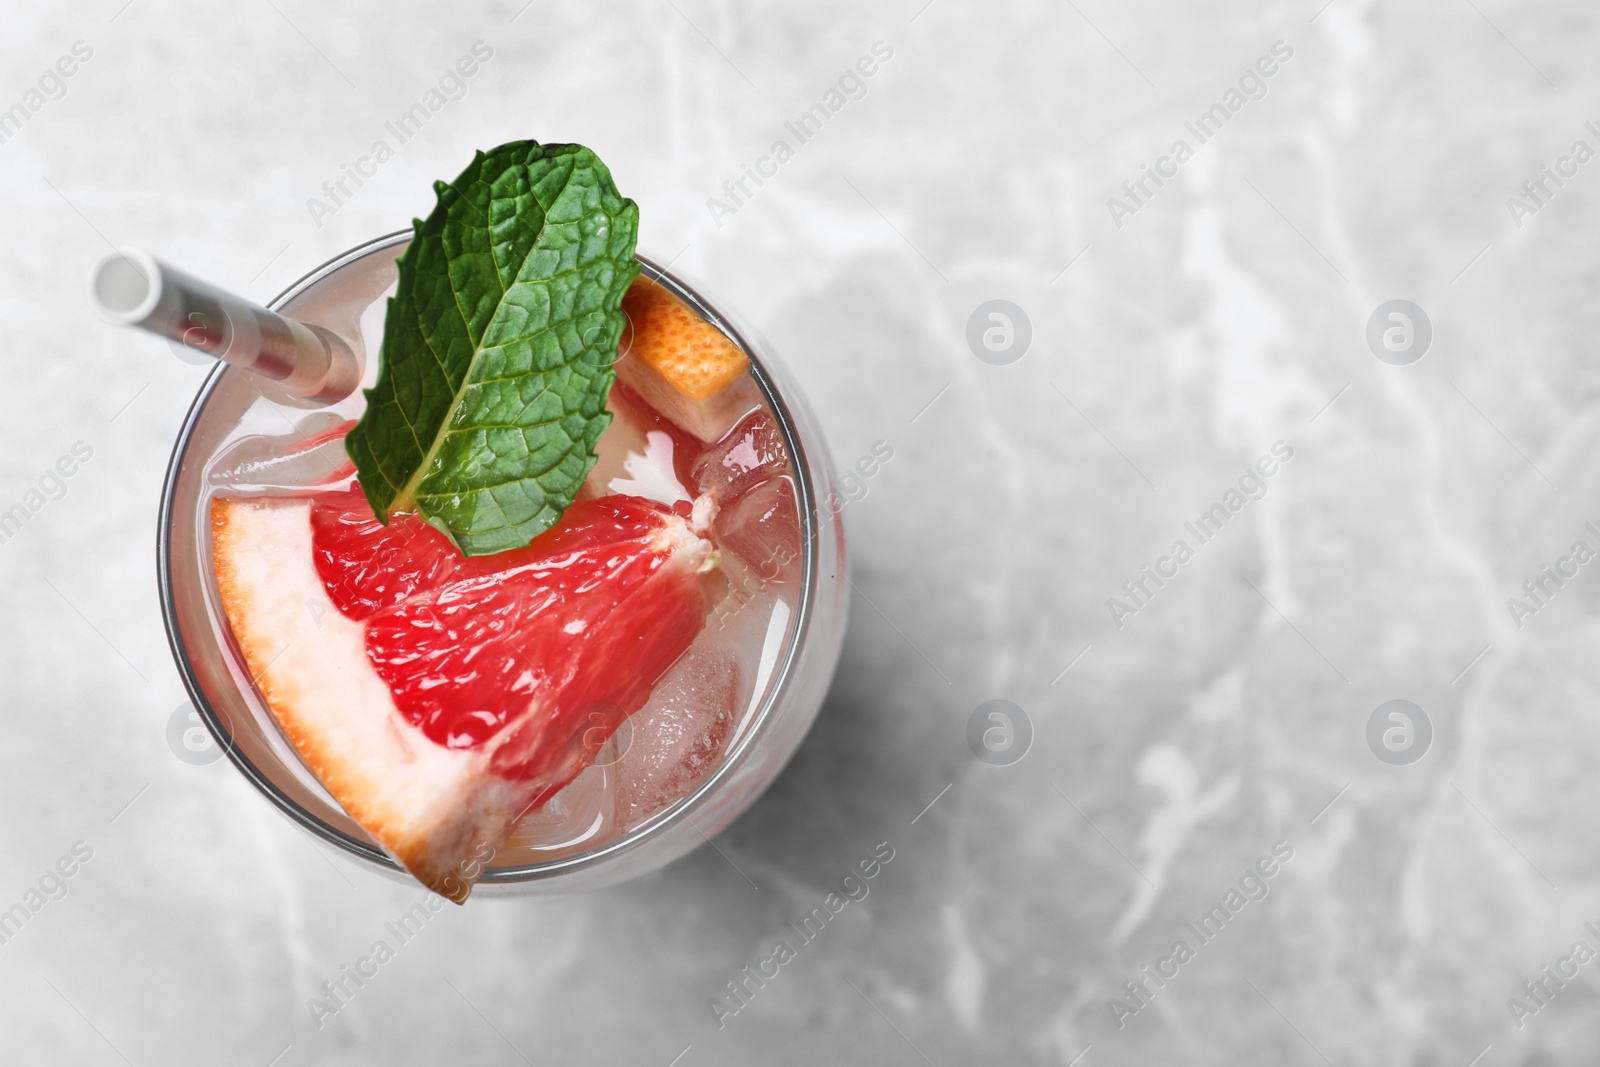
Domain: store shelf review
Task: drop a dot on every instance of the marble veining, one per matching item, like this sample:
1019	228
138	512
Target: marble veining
1034	907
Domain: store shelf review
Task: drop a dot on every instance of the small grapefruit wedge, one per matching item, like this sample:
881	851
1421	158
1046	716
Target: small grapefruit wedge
448	696
682	365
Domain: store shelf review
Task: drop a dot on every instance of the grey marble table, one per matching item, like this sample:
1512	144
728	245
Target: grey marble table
1222	843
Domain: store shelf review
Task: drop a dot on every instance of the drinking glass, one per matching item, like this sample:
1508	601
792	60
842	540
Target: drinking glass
230	408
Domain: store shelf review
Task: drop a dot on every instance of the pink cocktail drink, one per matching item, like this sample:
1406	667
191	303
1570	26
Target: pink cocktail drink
618	689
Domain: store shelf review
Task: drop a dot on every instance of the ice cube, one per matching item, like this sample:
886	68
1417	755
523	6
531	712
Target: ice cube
579	817
752	453
683	731
680	734
311	458
762	527
370	329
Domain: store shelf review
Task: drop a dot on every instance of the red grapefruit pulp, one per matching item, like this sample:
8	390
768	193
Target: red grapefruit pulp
520	653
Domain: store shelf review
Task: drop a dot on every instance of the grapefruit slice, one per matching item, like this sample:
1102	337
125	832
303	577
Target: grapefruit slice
448	696
681	365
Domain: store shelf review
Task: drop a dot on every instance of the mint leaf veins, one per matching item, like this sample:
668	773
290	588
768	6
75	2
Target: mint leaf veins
498	347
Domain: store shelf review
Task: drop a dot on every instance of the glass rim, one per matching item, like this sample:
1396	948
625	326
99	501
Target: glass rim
658	823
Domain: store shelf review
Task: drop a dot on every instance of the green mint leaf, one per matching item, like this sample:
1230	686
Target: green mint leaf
498	348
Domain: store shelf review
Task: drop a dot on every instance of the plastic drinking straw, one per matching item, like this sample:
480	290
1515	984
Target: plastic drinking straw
309	363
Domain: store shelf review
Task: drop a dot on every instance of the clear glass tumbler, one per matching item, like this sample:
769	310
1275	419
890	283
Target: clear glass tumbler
230	407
